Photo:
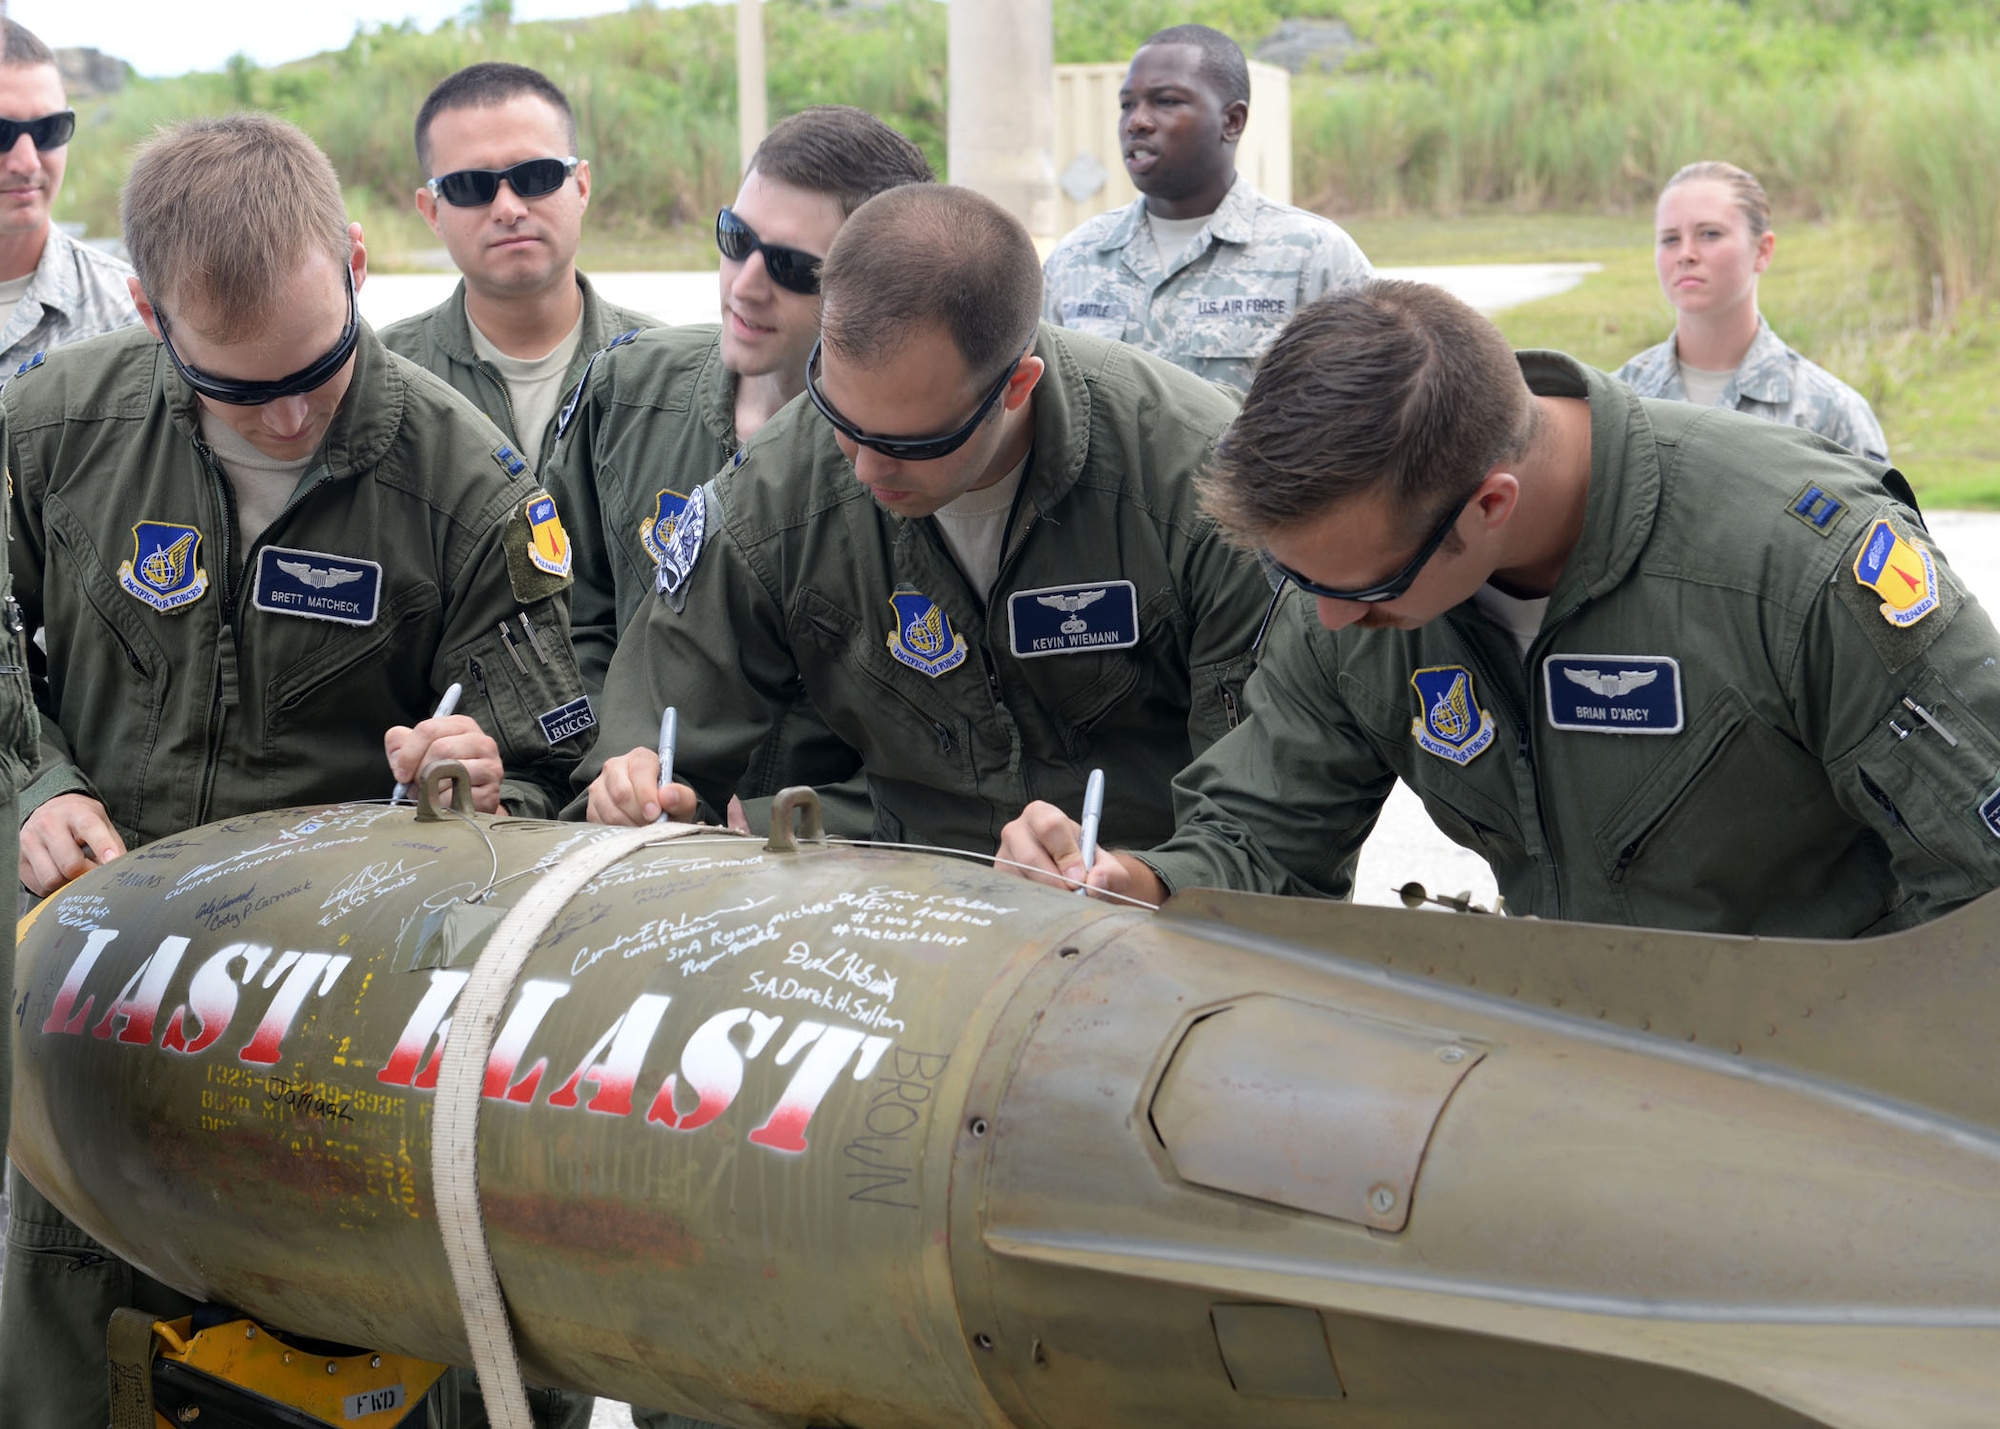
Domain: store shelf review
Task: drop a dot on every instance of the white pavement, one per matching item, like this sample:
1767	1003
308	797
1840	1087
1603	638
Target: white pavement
679	298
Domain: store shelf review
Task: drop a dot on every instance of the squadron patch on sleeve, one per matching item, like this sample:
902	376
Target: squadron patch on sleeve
548	543
683	544
164	571
1900	595
1899	571
538	550
1452	725
656	529
922	637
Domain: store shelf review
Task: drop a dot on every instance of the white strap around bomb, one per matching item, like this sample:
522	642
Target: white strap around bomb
475	1022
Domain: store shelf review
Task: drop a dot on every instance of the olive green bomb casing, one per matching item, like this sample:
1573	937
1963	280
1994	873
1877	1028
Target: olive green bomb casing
822	1135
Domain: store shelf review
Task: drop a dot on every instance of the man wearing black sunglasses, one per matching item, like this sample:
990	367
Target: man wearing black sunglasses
975	548
657	416
505	193
1689	671
53	289
260	547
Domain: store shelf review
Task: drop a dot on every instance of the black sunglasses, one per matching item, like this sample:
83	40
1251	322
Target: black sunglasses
475	188
51	131
1385	590
793	269
907	448
309	378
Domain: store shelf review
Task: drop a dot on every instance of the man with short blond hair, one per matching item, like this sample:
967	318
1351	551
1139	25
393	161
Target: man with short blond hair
505	191
256	540
53	289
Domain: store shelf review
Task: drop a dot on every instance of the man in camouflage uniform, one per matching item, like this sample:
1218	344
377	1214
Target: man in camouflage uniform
53	289
1657	664
516	334
1201	268
1775	383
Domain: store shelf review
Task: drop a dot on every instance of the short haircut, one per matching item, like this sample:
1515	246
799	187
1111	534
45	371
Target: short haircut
840	151
1222	62
1393	387
1743	187
223	211
931	255
22	48
483	86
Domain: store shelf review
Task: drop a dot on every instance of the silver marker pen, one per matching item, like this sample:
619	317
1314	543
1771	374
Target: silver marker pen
1093	815
670	728
445	707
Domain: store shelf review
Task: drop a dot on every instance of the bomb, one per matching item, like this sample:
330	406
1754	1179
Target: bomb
800	1134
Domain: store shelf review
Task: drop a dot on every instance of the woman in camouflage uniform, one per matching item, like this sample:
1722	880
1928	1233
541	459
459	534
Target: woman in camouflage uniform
1714	237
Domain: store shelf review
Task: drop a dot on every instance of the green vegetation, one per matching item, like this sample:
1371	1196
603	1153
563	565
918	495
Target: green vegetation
1463	130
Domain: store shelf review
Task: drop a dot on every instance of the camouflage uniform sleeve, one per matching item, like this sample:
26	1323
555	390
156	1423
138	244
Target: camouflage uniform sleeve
716	648
571	474
1282	804
1851	422
1337	265
522	686
1874	661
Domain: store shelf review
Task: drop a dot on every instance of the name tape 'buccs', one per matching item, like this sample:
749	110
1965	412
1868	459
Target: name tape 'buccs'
567	721
317	585
1614	694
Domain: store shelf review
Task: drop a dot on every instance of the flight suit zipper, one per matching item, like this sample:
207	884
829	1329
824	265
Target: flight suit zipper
1524	749
223	695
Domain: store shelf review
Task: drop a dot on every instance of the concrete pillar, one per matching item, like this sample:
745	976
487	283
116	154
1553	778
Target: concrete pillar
1002	133
753	115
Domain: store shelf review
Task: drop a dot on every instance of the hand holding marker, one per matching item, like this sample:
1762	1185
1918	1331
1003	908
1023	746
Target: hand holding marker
670	728
445	707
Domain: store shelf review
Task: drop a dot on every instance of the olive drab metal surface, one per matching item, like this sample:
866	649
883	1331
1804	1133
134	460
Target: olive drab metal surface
835	1135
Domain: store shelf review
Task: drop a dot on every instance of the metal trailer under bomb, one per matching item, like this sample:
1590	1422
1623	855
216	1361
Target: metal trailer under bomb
803	1134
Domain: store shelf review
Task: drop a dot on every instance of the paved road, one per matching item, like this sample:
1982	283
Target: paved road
691	297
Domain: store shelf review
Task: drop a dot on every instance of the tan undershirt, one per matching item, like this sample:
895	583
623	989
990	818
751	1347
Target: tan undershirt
1521	619
975	528
534	384
262	484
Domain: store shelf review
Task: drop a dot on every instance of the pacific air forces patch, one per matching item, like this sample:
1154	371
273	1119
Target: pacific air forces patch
165	570
922	637
656	530
1452	725
538	550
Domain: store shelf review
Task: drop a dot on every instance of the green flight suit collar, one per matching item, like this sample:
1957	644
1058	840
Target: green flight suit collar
715	395
1624	496
362	431
454	328
1062	421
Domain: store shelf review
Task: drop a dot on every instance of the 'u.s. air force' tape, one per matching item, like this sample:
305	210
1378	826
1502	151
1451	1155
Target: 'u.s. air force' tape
567	721
1073	619
317	585
1614	694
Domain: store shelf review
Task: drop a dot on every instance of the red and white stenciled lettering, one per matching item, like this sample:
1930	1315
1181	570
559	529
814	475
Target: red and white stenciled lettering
711	1067
212	996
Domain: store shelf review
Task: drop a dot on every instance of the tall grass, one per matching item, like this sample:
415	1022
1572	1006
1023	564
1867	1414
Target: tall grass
1840	106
